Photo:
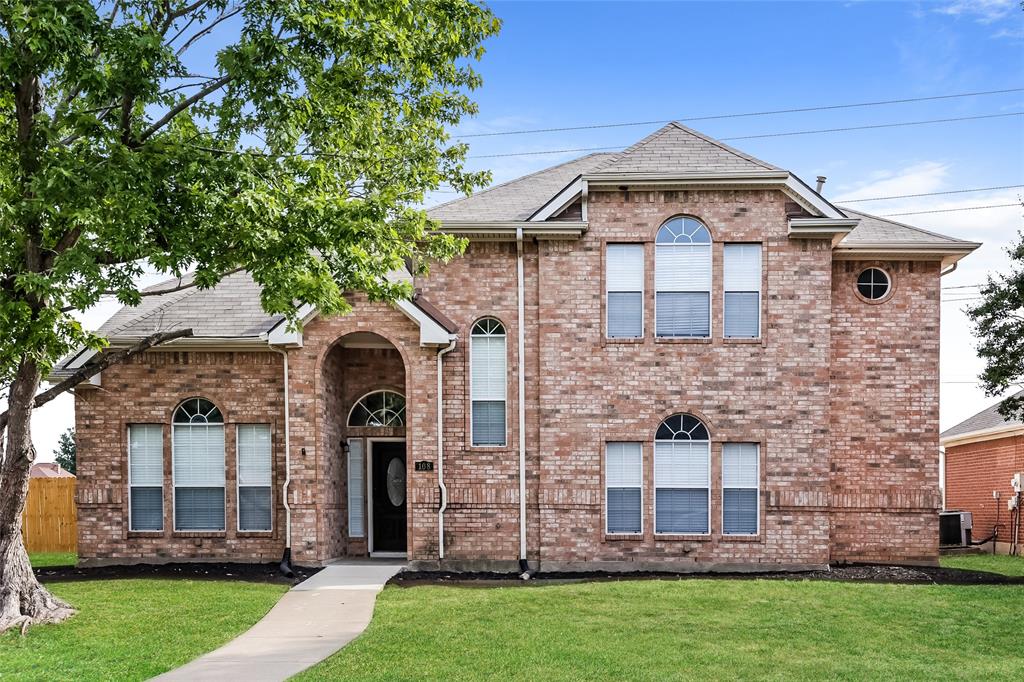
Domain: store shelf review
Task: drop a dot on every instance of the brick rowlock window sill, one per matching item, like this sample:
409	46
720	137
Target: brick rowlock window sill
667	537
665	339
623	537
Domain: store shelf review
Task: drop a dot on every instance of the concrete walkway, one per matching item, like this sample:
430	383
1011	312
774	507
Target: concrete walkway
310	622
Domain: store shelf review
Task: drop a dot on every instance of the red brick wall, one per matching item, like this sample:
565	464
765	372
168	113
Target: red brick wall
885	416
773	391
849	470
973	471
246	386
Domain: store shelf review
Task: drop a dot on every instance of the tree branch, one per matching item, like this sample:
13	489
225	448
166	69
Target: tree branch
182	105
101	364
223	16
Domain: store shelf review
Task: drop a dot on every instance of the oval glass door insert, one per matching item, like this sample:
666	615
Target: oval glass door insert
396	482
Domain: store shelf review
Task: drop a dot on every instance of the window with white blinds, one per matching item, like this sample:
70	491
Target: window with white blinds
740	464
356	489
682	275
624	275
145	477
487	382
254	477
198	466
623	477
742	278
682	477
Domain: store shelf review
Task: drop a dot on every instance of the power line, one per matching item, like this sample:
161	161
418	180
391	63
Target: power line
948	210
901	124
965	286
828	107
932	194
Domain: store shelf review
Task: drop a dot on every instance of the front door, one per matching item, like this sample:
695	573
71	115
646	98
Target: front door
389	496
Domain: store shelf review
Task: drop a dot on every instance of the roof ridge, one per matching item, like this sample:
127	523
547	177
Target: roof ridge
616	156
724	146
485	190
953	240
690	131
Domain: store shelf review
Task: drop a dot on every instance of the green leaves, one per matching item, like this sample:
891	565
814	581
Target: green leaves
299	154
999	326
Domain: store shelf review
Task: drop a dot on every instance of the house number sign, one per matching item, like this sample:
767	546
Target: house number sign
424	466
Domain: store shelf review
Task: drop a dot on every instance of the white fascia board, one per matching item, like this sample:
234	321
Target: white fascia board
560	201
281	335
431	333
834	229
84	355
947	253
783	180
507	230
994	433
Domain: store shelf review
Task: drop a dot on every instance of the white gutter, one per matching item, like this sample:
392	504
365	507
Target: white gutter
522	396
440	451
287	456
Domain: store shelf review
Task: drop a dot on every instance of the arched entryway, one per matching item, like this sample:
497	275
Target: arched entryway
365	411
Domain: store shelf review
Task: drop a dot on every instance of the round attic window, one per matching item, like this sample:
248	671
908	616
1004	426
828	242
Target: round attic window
873	284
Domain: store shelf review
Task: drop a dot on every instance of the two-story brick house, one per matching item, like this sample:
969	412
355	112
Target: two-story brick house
678	356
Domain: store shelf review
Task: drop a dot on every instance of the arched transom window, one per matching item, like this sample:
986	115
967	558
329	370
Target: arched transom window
682	476
682	268
379	408
198	466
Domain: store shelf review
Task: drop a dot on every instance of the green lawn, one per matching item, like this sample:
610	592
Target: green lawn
695	629
997	563
51	559
134	629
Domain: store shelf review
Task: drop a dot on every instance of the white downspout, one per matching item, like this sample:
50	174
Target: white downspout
287	461
440	451
522	398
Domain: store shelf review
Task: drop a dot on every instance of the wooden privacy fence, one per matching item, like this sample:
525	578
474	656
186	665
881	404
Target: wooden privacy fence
49	523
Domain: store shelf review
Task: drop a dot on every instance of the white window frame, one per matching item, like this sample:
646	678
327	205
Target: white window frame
504	384
398	421
726	290
607	530
363	491
239	486
710	482
756	488
711	279
174	483
608	292
131	524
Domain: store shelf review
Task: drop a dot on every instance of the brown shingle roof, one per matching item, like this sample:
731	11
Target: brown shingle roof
516	199
674	148
986	419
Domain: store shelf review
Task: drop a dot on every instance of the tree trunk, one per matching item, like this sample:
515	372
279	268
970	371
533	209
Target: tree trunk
23	601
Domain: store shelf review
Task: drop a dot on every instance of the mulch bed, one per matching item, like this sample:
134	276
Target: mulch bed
261	573
916	575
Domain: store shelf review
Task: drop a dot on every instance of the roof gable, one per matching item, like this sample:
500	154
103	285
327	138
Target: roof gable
674	148
516	199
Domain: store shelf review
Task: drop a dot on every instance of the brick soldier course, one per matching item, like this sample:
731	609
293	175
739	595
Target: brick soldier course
839	392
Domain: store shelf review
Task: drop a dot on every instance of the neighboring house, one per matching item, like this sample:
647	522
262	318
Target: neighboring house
983	454
48	470
678	357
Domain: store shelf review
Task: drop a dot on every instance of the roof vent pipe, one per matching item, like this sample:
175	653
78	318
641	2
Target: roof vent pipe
821	183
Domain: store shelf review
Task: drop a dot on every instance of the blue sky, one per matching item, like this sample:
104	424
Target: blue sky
565	64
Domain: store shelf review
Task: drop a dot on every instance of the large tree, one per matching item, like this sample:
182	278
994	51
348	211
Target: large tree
999	326
290	138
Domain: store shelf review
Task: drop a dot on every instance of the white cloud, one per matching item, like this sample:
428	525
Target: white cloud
982	11
927	176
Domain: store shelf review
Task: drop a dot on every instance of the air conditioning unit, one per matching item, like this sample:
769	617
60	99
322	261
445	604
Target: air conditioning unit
955	528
